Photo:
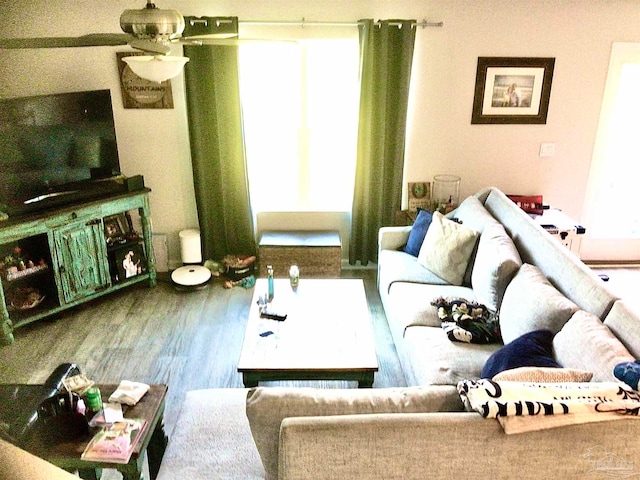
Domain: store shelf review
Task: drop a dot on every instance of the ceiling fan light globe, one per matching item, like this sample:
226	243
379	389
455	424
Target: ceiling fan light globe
152	22
156	68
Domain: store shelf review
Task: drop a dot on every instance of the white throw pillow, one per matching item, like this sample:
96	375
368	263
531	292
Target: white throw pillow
447	248
267	407
497	261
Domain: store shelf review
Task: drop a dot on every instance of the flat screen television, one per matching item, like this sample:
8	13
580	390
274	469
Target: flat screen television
55	150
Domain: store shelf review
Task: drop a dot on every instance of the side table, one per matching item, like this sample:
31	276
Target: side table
153	441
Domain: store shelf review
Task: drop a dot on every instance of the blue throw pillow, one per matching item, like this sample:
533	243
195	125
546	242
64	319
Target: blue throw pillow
532	349
628	372
418	231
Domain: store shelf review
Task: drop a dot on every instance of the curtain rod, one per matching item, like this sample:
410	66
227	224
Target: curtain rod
306	23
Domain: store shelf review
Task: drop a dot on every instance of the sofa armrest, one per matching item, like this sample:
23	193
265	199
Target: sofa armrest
392	238
448	445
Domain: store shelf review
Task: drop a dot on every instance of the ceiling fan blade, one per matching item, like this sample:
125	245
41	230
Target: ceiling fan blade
91	40
228	41
147	45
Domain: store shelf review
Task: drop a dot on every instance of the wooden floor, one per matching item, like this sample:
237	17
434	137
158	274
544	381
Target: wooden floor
188	340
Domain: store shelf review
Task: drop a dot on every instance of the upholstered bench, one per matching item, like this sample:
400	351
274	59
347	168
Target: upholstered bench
316	253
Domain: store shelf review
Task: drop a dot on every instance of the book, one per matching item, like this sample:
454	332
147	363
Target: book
114	443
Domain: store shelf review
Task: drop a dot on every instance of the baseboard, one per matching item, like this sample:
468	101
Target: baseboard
611	264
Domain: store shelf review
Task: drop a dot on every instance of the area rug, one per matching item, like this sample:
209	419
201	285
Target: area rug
212	439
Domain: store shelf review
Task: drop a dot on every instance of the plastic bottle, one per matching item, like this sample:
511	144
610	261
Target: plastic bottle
294	276
270	281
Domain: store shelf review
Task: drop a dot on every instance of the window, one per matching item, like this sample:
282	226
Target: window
300	113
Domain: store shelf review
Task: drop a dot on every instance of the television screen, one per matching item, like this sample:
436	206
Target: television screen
55	149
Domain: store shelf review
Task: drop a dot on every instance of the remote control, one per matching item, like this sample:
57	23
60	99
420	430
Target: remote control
273	315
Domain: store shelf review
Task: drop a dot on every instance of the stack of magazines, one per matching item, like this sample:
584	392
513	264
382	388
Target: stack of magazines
114	442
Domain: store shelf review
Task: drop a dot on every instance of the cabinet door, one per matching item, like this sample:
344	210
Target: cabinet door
81	256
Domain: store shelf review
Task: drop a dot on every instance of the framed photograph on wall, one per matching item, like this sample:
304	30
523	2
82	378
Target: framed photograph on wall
512	90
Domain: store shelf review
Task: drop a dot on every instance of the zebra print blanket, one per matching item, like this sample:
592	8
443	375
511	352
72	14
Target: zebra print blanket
578	402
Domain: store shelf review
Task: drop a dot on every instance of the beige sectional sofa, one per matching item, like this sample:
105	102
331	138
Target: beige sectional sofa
422	430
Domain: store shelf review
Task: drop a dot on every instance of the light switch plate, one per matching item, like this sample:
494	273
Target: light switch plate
547	149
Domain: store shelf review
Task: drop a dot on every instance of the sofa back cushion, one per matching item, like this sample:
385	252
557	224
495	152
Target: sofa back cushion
624	323
267	407
531	303
472	213
447	248
564	269
497	261
587	344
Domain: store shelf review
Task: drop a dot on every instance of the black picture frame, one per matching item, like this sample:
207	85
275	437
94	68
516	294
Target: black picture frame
130	261
113	227
512	90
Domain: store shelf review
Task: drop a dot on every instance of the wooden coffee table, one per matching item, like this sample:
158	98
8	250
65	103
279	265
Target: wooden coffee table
327	334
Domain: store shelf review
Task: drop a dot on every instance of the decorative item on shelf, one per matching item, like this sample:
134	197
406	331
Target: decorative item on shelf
446	193
118	230
24	298
419	195
130	261
19	264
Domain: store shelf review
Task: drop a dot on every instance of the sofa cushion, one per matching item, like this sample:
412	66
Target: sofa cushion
543	375
429	358
497	261
472	213
533	349
623	323
267	407
447	248
410	303
418	231
531	303
397	266
588	344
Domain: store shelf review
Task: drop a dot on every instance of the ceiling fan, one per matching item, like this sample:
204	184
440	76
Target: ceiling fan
150	29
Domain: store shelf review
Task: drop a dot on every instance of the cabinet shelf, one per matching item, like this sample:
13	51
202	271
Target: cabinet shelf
25	274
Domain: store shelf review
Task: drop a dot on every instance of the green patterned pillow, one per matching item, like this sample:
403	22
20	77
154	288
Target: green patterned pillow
447	248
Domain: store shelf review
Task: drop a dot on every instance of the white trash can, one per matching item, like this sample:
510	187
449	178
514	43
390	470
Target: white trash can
190	248
192	275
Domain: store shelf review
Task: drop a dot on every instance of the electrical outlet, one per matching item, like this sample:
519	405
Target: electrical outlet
547	149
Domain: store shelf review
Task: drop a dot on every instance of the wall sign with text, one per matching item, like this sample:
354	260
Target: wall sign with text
140	93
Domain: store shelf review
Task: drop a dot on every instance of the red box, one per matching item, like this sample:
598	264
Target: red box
528	203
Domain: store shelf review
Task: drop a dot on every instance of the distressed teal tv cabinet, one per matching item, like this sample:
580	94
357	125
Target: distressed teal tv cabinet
60	258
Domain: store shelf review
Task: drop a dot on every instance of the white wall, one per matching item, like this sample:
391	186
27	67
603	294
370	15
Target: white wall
154	143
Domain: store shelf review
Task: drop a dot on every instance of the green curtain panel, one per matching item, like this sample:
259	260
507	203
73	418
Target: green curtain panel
217	147
386	55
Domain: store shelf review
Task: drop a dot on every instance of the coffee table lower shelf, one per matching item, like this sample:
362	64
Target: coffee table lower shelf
364	378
